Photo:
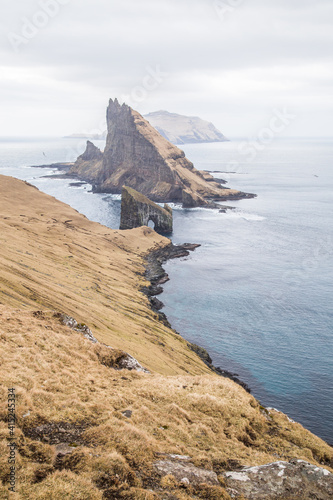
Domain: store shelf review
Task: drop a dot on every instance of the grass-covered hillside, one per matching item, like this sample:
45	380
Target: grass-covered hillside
84	428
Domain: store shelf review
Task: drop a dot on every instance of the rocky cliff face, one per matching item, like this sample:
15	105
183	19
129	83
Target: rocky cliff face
180	129
137	210
136	155
91	153
89	165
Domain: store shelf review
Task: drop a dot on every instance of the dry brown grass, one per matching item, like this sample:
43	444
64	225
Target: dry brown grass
54	258
59	377
68	391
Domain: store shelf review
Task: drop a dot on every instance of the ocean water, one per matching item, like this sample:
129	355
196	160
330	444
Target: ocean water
257	294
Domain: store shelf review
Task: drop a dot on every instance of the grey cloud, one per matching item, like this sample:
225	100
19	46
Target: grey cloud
105	47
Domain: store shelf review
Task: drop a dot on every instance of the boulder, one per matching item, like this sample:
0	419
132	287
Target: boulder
280	480
185	472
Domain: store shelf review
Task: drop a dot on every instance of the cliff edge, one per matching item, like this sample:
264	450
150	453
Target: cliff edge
136	155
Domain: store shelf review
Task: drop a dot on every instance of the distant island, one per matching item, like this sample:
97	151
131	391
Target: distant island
178	129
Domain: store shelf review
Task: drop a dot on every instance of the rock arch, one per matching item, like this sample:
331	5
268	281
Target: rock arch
137	210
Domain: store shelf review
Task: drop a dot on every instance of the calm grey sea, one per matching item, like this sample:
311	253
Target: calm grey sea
258	293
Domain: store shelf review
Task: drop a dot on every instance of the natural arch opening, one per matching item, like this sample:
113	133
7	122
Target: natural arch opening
151	224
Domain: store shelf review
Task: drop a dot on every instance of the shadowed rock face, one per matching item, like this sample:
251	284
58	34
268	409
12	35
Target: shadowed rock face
136	155
137	210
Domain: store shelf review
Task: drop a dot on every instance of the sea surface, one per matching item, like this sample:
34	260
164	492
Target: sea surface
257	294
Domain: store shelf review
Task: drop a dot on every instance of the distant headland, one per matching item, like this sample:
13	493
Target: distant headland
180	129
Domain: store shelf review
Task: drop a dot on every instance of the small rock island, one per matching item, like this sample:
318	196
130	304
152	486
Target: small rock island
137	210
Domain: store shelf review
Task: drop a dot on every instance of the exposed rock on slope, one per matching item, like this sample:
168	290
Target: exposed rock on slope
180	129
106	354
185	472
281	480
136	155
274	481
137	210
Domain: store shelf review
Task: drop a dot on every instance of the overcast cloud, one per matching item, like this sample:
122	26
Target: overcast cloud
229	61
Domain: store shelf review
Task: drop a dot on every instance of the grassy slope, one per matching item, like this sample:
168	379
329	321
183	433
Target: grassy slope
53	257
91	273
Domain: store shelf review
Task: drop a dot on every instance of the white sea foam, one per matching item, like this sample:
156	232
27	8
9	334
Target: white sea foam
229	214
112	197
239	214
174	206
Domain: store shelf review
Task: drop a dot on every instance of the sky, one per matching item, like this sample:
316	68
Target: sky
248	66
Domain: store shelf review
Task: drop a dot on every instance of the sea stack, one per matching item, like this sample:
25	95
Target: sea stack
137	210
136	155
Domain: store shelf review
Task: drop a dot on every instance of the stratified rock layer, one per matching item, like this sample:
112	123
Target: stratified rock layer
136	155
137	210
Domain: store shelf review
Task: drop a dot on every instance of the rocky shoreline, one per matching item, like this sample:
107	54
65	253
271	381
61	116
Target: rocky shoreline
157	276
65	168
